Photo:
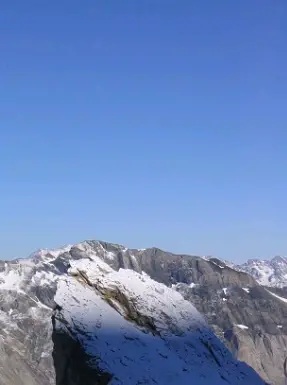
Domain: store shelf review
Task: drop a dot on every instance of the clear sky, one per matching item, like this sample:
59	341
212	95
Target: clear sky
148	123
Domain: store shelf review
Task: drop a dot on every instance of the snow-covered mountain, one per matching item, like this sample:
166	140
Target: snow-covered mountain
271	273
91	314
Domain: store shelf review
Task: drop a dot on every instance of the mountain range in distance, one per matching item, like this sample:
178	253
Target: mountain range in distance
101	313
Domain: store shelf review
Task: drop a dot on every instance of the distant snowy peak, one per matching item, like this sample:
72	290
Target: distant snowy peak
267	273
42	254
271	273
279	260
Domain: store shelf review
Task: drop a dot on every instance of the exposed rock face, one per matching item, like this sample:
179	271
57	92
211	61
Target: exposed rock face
244	315
250	320
25	331
135	330
72	316
72	366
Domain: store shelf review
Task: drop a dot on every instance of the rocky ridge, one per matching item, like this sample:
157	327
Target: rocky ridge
98	313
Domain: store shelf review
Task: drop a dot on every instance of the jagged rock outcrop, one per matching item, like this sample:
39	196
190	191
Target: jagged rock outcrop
72	366
243	314
77	315
135	330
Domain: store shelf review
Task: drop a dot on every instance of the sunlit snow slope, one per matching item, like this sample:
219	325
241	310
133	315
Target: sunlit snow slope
139	330
70	309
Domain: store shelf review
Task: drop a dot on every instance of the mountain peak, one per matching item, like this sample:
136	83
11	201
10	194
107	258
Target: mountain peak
96	304
279	259
267	272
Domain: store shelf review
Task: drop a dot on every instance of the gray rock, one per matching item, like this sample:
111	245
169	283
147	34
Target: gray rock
32	347
204	283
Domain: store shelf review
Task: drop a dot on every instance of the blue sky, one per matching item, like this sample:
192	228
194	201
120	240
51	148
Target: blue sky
147	123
